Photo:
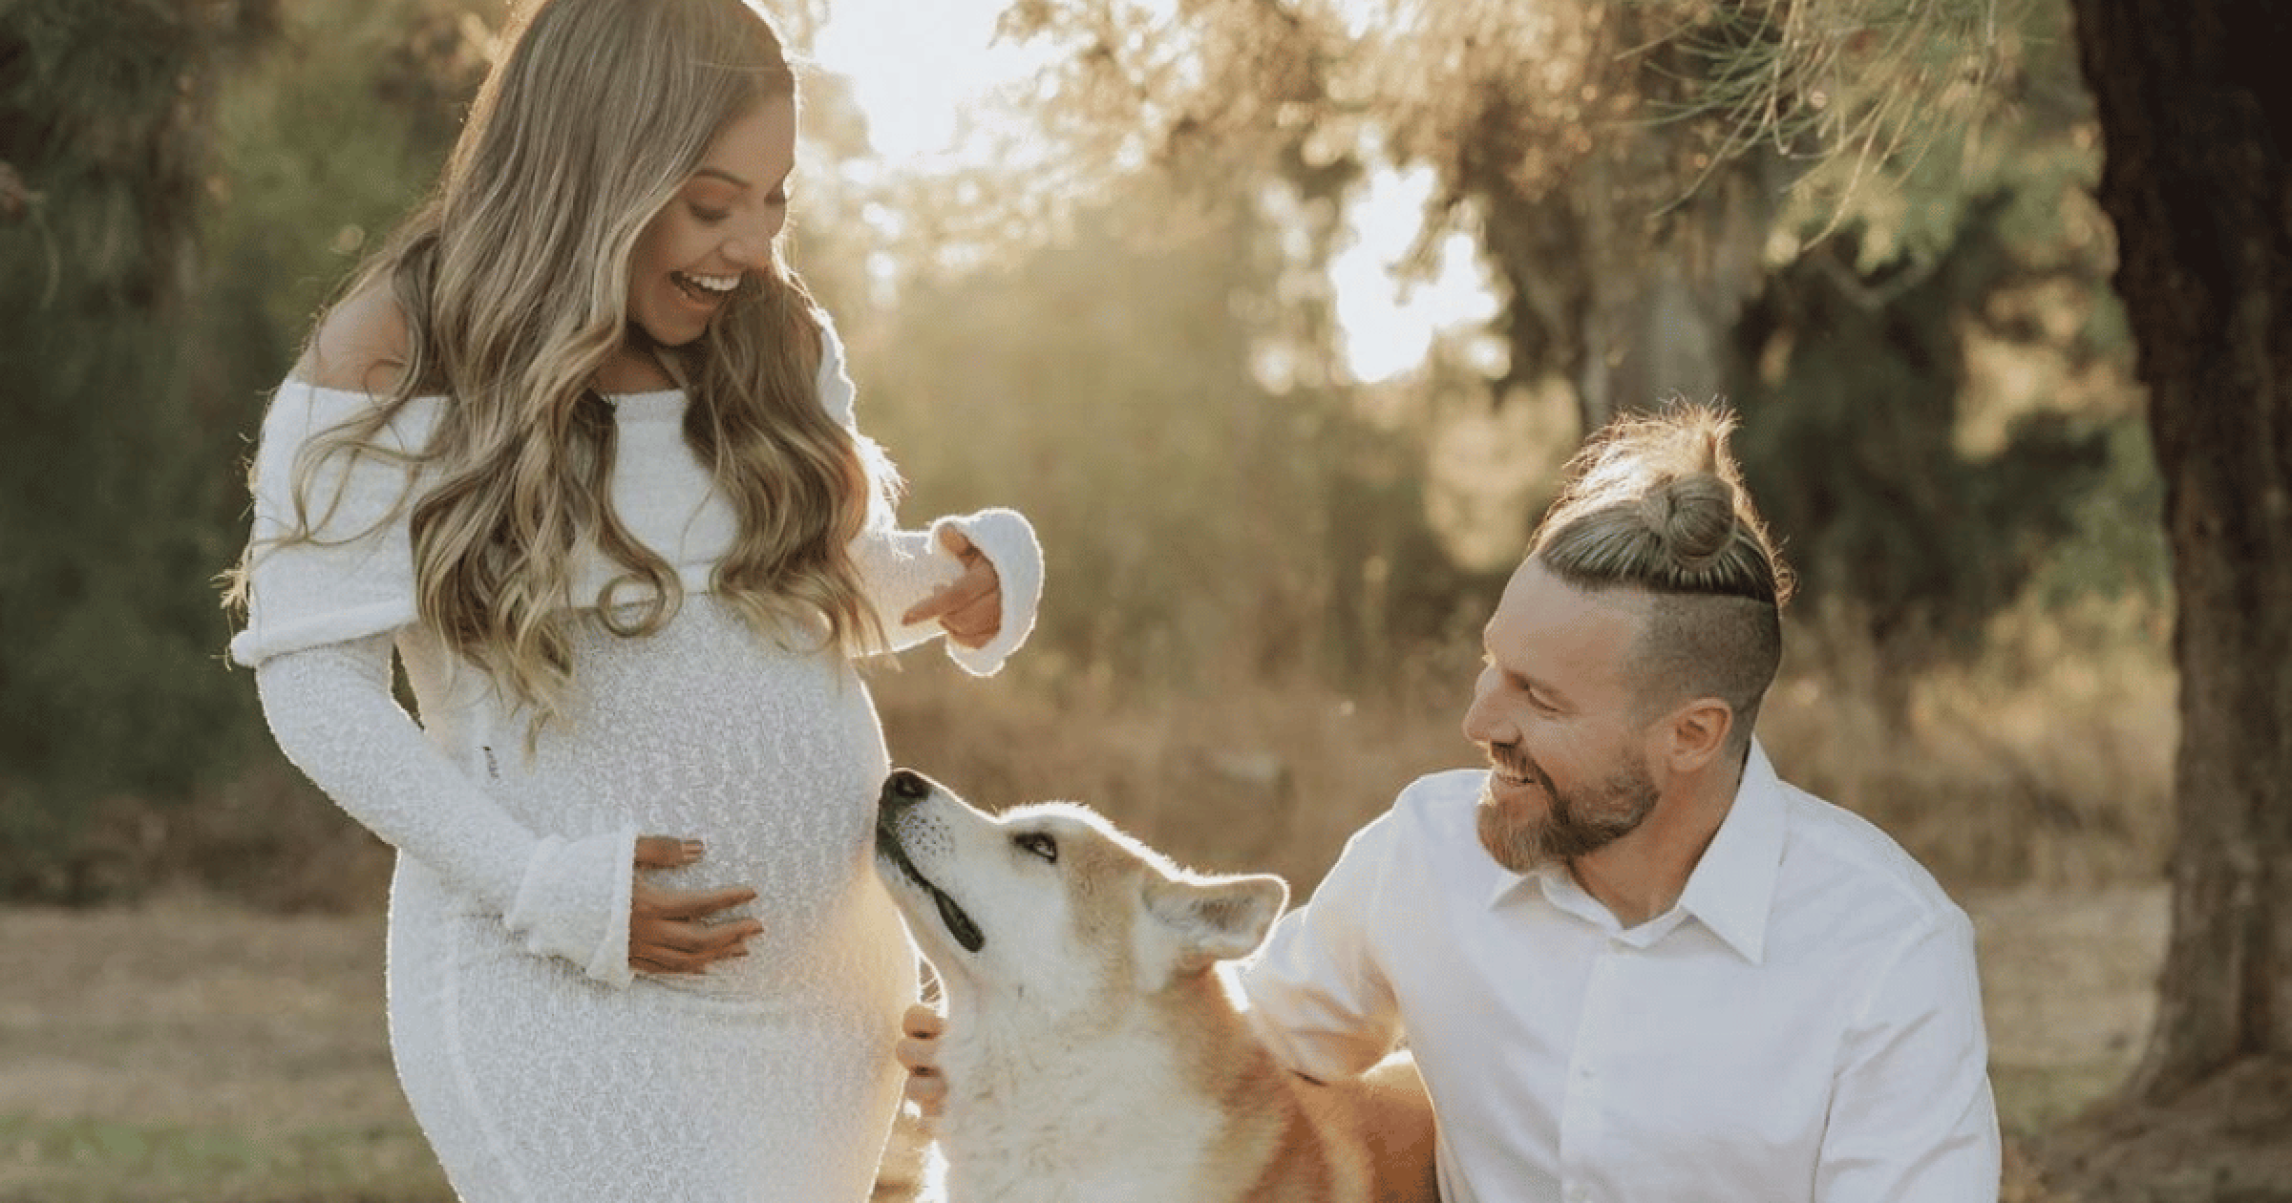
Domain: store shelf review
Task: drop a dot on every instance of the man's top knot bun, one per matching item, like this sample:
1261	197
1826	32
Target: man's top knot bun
1692	517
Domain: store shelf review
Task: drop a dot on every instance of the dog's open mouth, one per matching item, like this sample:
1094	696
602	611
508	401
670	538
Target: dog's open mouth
959	924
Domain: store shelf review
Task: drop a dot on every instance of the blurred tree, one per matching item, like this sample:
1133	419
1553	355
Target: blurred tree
1872	370
1617	164
1801	203
1100	381
321	143
1854	449
110	514
2198	180
193	179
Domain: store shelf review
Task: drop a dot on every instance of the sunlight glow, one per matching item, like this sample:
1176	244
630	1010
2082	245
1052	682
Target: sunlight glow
1389	322
920	70
925	75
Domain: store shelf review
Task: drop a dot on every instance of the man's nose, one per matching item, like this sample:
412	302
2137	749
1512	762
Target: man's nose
1482	725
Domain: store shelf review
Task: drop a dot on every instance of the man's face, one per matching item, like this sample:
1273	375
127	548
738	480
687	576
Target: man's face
1555	713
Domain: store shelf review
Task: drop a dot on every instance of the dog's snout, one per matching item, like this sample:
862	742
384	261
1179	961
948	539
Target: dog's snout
905	788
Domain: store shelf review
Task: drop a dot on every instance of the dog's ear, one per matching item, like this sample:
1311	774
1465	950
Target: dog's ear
1218	918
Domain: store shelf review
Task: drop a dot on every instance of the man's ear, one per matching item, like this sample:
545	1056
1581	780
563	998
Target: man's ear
1218	918
1696	733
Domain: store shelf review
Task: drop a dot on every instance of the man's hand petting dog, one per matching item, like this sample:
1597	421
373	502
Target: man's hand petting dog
1091	1048
918	1051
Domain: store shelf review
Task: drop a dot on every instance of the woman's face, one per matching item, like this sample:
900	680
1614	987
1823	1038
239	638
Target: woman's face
692	257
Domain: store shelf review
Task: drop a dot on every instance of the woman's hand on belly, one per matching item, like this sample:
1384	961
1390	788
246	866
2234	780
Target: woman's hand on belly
670	930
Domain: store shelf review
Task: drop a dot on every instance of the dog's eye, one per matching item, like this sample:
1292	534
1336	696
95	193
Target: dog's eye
1038	843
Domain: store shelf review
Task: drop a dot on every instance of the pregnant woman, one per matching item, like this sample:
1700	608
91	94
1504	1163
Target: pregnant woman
576	449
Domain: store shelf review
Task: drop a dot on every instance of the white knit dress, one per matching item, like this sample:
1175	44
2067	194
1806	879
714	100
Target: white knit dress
541	1069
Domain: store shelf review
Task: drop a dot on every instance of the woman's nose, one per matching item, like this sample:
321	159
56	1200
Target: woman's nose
748	253
751	246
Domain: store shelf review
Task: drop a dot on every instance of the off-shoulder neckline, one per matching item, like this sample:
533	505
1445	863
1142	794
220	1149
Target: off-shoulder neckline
619	400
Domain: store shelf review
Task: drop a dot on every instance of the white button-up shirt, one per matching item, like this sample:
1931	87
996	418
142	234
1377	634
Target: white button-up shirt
1804	1025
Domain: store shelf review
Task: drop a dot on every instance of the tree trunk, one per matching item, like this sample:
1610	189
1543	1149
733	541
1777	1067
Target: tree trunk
2198	185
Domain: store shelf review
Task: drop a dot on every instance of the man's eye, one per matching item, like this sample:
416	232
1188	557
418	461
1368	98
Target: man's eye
1039	844
778	196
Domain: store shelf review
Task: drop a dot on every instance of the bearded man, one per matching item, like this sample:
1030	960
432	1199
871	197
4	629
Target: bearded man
1632	963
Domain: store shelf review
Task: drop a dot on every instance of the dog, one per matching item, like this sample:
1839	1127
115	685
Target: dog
1093	1051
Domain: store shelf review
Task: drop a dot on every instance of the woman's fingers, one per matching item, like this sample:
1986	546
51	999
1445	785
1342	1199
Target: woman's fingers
670	930
972	608
959	545
667	852
694	904
974	625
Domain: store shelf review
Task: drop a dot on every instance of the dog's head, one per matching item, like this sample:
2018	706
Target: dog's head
1052	901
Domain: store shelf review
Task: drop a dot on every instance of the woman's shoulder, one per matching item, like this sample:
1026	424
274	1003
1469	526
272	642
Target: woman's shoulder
360	345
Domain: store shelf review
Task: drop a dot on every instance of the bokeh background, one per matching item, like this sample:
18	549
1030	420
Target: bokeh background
1276	318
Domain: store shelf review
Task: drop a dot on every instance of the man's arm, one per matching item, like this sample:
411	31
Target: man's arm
1317	995
1912	1117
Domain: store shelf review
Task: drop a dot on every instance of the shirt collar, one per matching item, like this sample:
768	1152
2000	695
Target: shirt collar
1733	886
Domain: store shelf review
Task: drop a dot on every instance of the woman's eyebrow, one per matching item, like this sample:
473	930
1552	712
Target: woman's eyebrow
722	174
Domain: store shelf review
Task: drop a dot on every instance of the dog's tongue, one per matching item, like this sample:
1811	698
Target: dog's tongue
959	925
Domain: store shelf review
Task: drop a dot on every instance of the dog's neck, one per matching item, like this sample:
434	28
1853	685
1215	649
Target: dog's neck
1095	1105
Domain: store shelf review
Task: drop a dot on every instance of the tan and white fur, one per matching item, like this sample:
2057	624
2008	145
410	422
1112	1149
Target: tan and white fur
1093	1052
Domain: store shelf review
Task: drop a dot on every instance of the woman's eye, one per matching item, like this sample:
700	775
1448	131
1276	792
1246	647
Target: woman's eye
1039	844
710	216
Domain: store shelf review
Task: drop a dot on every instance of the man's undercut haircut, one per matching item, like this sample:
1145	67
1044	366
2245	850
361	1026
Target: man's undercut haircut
1655	504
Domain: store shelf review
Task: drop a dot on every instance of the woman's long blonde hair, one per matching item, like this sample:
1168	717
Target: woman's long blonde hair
514	281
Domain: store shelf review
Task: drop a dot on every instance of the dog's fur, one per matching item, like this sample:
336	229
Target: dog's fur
1092	1051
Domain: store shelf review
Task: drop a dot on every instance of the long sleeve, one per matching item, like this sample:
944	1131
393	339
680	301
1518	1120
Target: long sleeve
355	576
902	567
1913	1119
1317	998
333	714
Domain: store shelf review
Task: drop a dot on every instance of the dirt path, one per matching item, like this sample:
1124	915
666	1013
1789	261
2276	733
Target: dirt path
190	1051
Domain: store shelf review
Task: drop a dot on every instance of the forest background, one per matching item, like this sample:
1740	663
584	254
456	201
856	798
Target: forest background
1268	565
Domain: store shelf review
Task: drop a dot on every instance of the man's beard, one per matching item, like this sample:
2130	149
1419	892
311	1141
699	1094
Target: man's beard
1573	824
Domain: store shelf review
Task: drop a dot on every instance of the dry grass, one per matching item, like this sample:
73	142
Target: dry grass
190	1051
193	1050
2046	762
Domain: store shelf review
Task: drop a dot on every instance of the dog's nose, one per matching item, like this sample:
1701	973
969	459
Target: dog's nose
904	788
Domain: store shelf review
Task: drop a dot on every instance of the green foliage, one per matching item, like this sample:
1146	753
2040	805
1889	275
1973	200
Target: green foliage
111	512
199	169
1939	410
320	147
208	172
1852	447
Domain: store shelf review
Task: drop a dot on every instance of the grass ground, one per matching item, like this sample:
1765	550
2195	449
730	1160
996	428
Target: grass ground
189	1051
176	1048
